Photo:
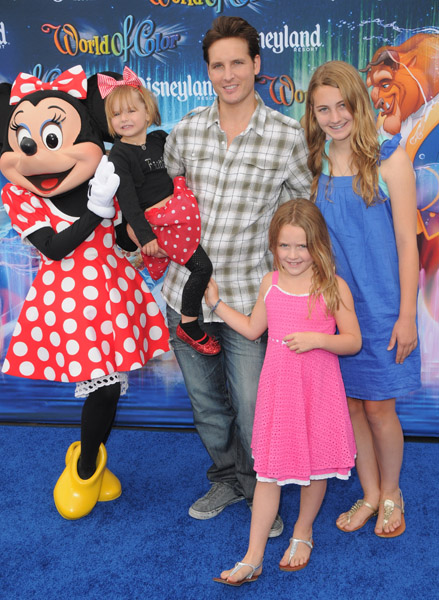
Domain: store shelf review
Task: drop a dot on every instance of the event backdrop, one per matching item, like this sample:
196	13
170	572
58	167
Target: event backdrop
397	42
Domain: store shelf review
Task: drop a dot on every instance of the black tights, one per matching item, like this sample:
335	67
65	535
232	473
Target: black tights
97	420
201	271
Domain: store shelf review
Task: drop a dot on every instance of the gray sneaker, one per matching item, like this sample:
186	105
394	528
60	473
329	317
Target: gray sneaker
277	527
217	498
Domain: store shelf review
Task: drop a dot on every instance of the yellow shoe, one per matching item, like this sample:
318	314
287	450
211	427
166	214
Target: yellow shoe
75	497
111	487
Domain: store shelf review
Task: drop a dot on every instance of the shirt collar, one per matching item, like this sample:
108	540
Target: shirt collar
257	120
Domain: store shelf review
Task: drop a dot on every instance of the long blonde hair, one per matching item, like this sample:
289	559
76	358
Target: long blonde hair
305	214
364	140
123	96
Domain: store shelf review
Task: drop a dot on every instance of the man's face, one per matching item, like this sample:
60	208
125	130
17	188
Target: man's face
232	71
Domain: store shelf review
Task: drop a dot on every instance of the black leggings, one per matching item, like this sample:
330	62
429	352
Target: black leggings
201	271
97	420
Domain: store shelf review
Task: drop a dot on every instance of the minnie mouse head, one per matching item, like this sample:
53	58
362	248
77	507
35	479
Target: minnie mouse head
54	132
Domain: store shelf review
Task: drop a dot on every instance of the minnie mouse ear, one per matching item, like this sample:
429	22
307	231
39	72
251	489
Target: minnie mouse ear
96	105
5	112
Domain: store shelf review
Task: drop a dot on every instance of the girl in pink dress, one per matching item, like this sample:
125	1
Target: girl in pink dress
302	432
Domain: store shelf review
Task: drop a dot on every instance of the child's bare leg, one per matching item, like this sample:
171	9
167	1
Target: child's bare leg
311	498
186	319
265	506
388	441
366	464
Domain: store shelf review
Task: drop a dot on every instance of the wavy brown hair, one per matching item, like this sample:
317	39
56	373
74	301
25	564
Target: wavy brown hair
305	214
122	96
364	141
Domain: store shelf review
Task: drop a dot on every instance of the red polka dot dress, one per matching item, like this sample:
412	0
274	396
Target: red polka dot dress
86	316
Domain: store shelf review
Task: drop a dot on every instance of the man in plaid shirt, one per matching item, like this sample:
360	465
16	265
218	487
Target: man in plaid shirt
241	159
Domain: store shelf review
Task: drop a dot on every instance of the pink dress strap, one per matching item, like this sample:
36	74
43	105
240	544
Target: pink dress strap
275	277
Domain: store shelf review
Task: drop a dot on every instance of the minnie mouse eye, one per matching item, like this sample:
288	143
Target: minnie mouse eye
52	136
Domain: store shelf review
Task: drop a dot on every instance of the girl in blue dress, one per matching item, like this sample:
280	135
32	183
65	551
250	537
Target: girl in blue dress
365	188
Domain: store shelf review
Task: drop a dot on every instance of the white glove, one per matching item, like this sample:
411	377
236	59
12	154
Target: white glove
101	190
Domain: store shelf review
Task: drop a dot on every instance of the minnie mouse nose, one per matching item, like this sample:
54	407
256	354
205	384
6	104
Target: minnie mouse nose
28	146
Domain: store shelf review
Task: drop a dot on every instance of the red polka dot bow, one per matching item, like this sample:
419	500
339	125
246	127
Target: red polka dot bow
106	84
73	81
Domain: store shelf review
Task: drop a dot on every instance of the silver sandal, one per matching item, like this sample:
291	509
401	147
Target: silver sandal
389	507
250	577
294	543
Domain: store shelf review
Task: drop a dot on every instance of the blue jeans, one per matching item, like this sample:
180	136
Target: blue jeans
223	391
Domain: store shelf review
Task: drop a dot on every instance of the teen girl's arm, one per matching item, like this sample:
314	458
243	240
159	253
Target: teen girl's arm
250	326
397	172
348	339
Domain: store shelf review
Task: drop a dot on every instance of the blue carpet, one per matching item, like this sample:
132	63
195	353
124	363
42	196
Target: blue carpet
145	546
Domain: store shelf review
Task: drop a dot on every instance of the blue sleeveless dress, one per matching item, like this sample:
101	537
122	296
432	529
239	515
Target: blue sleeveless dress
366	257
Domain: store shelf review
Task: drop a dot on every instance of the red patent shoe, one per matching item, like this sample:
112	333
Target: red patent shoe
210	348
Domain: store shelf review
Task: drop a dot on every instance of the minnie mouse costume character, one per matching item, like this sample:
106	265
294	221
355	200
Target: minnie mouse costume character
89	317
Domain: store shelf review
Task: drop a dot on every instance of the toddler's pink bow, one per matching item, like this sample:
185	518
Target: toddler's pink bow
106	84
73	82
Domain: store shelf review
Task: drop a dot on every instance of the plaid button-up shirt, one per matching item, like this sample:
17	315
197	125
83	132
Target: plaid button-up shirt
238	189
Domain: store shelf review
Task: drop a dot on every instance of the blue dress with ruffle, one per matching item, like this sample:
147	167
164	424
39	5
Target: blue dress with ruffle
366	257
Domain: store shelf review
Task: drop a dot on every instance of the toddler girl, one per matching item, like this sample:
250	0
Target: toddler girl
163	215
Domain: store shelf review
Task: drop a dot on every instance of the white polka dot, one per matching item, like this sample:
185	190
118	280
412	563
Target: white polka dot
6	364
105	347
115	295
68	305
75	368
136	332
122	321
70	326
72	347
61	227
37	334
91	254
25	207
130	272
91	236
48	277
32	314
94	355
158	352
49	374
26	368
108	240
152	309
67	284
43	354
49	298
17	330
31	294
50	318
143	319
98	373
64	378
142	356
111	260
135	366
138	296
145	344
90	273
90	312
35	202
155	333
90	292
110	367
67	264
108	307
130	308
106	327
60	360
55	339
119	358
122	283
19	349
107	271
129	345
90	334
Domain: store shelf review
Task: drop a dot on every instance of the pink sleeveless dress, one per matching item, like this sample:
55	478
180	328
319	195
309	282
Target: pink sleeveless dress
302	430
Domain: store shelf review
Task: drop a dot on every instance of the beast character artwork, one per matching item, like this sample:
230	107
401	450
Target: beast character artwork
405	91
89	317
